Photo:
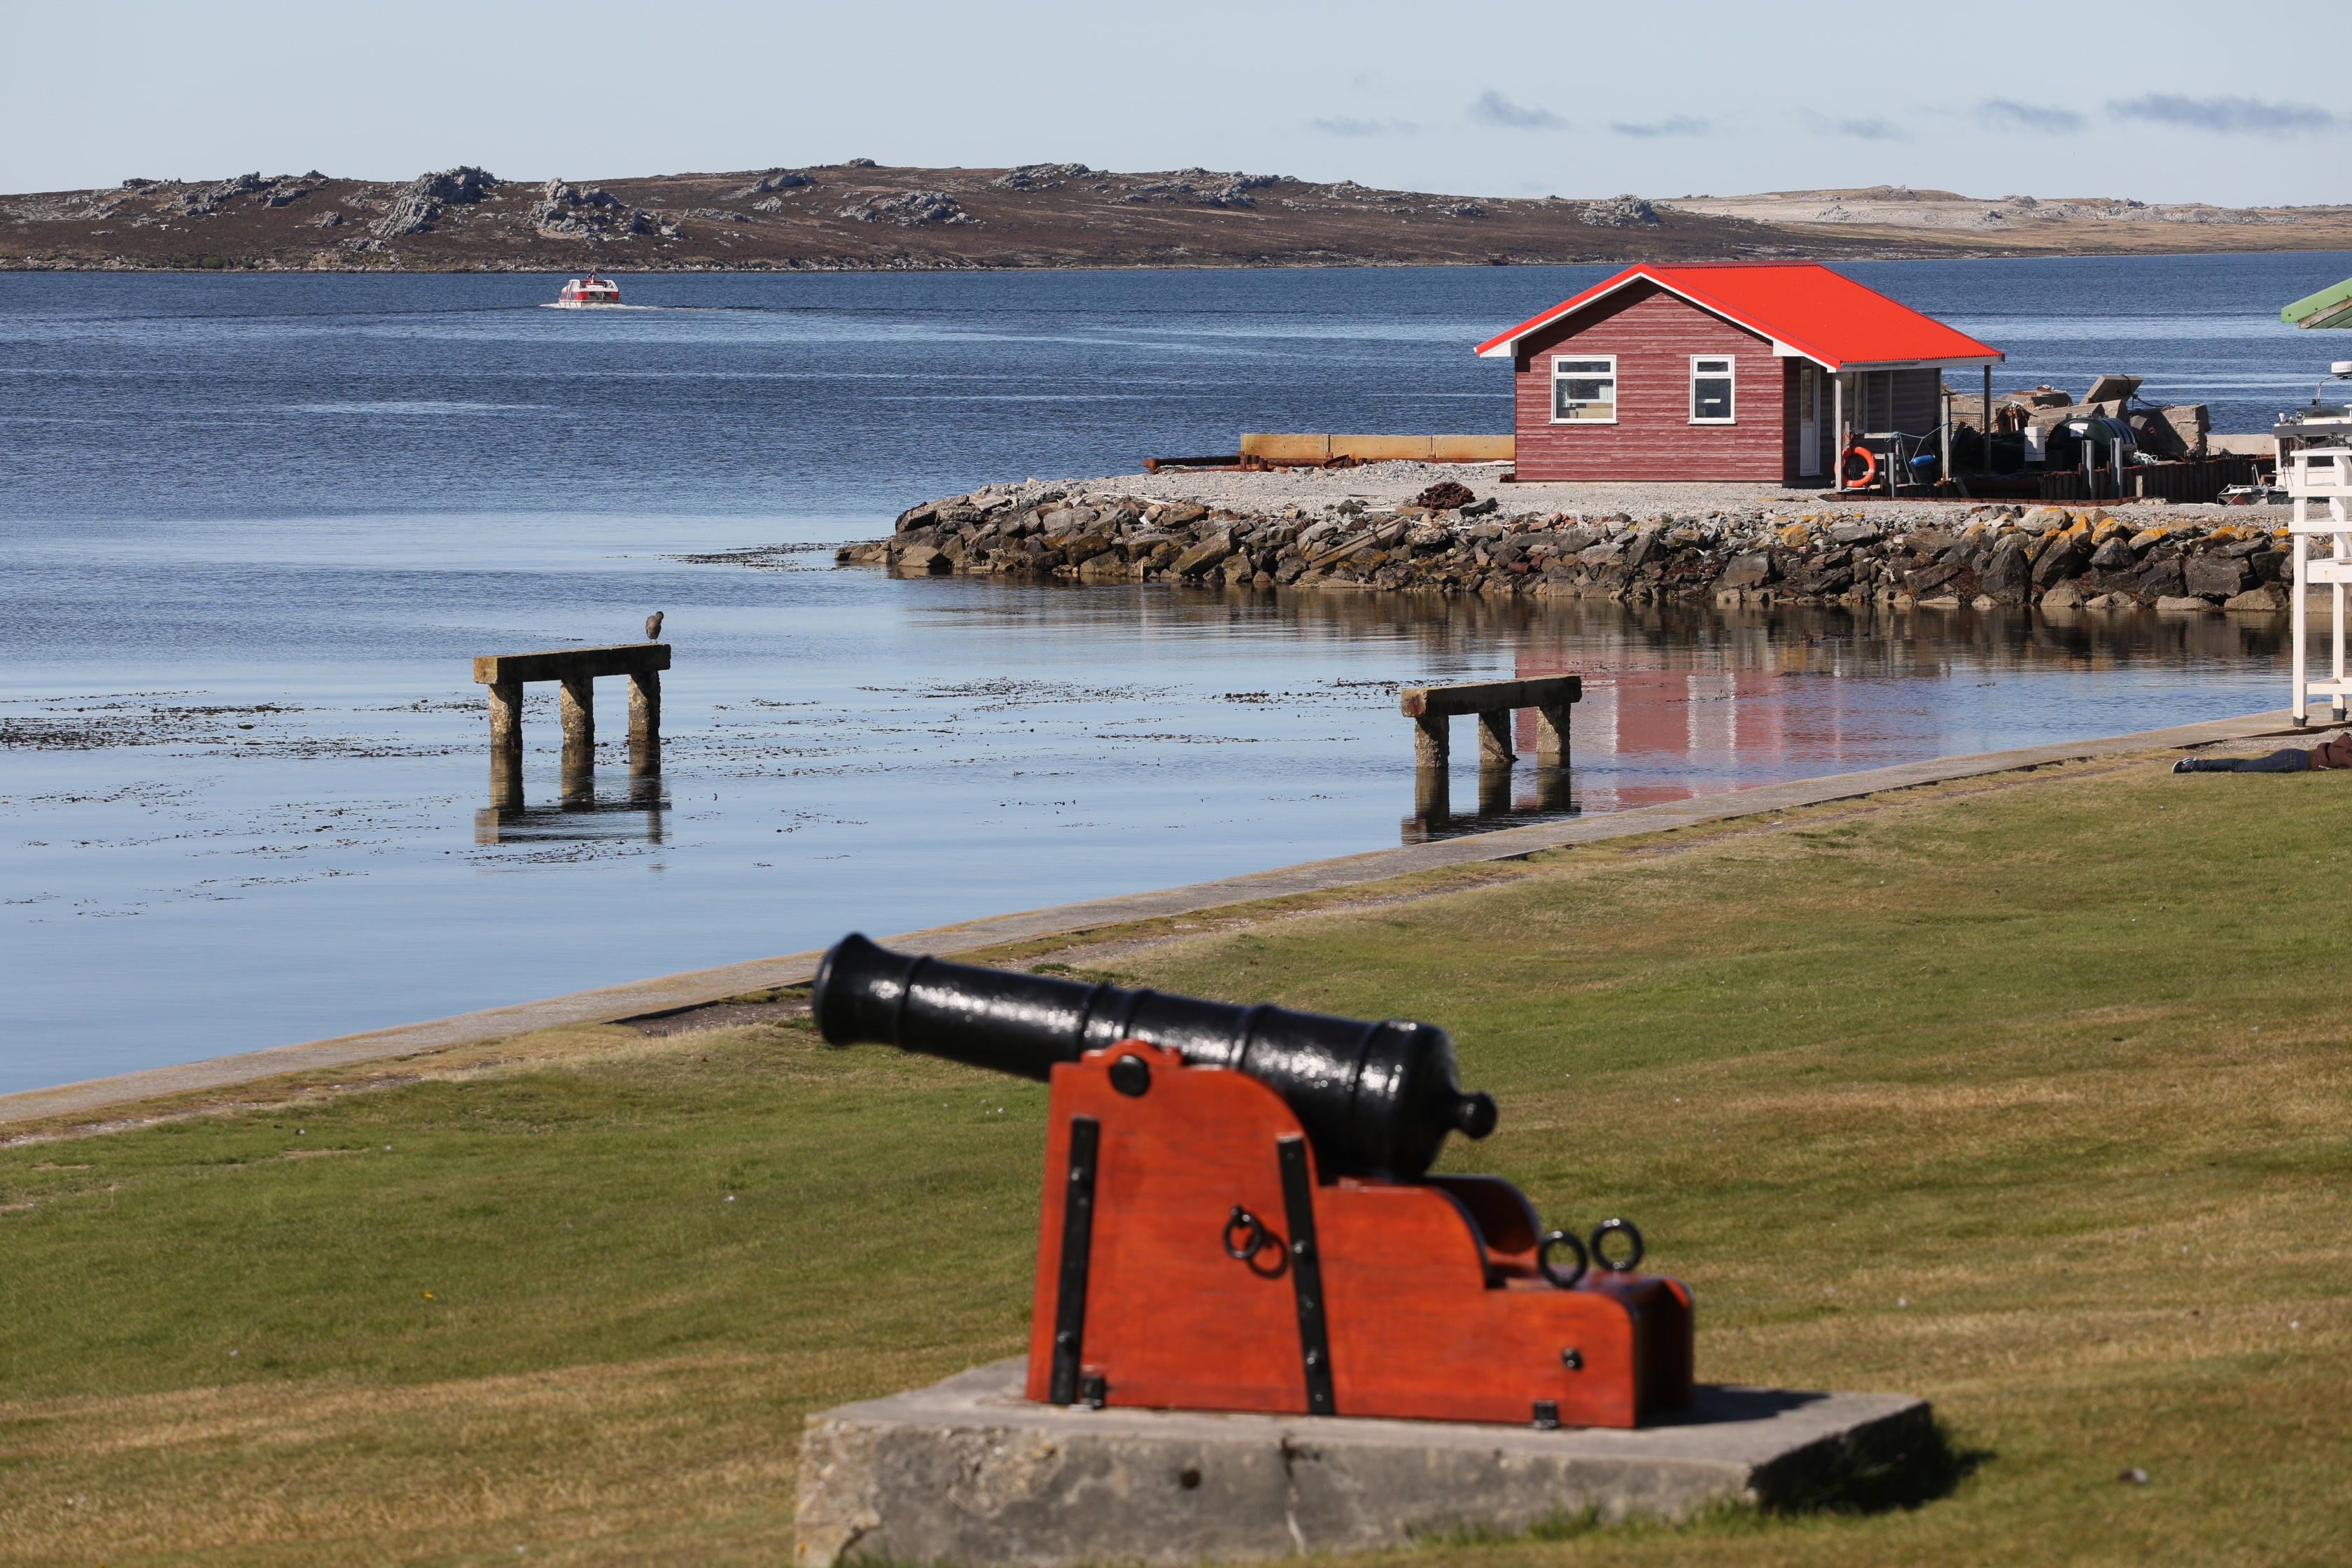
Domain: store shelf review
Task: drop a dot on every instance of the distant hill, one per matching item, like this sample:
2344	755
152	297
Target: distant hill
860	217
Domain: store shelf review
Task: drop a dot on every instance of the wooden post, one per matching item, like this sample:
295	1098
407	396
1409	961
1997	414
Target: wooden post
1987	419
1431	741
1495	737
578	705
645	721
506	723
1551	736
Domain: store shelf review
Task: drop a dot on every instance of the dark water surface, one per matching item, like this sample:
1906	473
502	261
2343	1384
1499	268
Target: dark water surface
253	526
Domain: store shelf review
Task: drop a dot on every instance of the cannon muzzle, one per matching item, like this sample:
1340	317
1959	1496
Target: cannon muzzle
1372	1097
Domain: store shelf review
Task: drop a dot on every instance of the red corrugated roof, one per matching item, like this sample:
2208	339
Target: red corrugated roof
1800	305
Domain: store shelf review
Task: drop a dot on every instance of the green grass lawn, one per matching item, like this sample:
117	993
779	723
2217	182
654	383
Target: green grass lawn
2031	1100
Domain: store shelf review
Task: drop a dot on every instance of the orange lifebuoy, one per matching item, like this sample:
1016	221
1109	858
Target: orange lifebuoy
1869	466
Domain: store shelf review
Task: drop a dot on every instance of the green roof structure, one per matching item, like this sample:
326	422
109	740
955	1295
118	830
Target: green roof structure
2330	306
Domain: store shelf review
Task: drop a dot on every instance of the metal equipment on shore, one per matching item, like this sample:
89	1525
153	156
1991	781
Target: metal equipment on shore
1238	1214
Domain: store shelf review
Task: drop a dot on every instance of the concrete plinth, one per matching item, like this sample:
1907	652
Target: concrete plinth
966	1471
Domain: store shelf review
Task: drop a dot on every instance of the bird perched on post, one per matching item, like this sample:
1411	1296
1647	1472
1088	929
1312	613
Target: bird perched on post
653	626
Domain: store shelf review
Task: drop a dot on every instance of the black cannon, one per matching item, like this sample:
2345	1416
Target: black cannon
1373	1097
1238	1212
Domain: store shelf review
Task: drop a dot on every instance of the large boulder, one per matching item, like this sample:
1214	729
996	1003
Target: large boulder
2007	577
2065	556
1750	571
1204	556
2160	579
2263	598
2218	576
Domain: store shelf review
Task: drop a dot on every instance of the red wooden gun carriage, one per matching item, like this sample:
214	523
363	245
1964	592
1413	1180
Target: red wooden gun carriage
1238	1212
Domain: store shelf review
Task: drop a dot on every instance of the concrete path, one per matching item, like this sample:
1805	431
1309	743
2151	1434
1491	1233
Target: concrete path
698	986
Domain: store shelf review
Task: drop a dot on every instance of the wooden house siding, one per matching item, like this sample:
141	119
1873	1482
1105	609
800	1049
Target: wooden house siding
1654	333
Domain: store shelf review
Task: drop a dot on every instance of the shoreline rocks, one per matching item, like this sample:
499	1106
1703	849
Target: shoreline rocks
1990	557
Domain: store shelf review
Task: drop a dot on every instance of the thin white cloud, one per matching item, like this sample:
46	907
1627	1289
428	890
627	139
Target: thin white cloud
2009	115
1872	129
2226	116
1673	125
1342	125
1493	109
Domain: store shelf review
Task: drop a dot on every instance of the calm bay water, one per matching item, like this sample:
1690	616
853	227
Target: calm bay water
253	526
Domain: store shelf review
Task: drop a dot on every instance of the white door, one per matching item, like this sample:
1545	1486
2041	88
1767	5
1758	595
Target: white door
1808	422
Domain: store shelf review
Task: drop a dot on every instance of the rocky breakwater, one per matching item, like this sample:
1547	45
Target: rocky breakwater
1447	543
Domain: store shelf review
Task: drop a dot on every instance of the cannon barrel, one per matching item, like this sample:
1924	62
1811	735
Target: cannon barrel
1373	1097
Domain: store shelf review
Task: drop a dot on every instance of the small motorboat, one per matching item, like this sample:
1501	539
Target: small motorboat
580	293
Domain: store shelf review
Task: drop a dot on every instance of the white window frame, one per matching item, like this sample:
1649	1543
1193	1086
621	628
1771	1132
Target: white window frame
1616	389
1730	373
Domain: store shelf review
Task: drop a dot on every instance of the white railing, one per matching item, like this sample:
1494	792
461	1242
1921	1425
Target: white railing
2322	473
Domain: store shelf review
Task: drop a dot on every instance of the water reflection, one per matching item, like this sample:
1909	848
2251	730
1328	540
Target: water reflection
1507	797
579	813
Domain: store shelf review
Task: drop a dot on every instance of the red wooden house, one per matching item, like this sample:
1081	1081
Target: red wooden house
1722	371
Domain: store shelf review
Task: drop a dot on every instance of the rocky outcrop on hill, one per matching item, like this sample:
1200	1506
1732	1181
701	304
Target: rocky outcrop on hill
1039	176
774	180
414	208
1201	187
569	211
1991	558
1620	211
908	207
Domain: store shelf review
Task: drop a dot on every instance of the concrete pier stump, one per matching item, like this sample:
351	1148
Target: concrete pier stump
1493	702
577	668
1433	741
645	721
1552	735
506	723
1495	747
578	706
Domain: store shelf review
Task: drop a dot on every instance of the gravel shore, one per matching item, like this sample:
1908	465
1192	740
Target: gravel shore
1388	484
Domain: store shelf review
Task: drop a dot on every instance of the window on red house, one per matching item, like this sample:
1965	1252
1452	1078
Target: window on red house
1710	390
1584	391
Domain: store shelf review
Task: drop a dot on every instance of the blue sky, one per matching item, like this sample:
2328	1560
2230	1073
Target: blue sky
2159	101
